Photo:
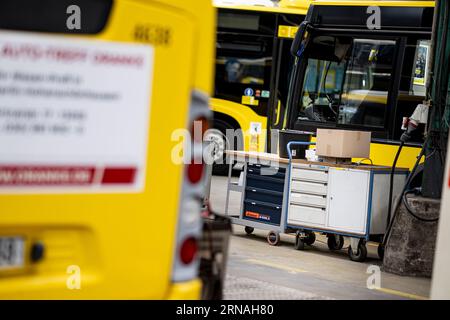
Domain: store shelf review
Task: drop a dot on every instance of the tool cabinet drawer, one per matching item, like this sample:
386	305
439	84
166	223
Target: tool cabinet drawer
255	194
309	175
265	171
262	212
303	215
308	199
309	187
259	166
265	182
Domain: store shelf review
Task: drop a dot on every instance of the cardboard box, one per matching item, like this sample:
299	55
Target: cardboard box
343	143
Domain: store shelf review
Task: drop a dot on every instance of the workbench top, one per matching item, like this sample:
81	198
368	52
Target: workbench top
264	156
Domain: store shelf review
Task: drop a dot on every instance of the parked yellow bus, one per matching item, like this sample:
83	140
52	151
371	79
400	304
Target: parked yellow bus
253	66
93	205
363	65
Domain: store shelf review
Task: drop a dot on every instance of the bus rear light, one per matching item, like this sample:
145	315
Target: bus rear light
190	224
188	250
195	172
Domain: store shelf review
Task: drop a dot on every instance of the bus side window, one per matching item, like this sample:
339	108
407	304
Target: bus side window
322	79
367	83
414	76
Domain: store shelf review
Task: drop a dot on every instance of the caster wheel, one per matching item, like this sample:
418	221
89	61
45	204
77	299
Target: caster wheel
273	238
299	242
381	251
249	230
361	255
335	242
310	239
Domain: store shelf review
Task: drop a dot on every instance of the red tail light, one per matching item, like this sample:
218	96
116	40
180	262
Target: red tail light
195	172
189	227
195	169
188	250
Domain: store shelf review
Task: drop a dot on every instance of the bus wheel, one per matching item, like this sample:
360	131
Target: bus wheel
217	136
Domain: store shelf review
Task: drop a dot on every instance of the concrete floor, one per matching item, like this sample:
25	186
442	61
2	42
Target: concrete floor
257	270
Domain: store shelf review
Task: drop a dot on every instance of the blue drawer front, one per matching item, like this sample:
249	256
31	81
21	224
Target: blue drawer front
262	212
255	194
262	182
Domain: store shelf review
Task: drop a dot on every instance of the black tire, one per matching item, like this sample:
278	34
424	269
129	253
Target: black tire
212	288
381	251
221	169
310	239
335	244
273	238
361	255
218	291
299	243
249	230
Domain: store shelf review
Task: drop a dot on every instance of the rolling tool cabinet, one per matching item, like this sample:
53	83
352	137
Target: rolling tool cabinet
263	200
341	201
263	192
304	197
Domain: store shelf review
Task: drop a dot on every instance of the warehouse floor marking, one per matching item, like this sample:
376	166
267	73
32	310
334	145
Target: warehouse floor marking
298	270
401	294
276	266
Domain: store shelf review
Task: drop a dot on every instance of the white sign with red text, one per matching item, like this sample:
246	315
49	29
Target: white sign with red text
74	114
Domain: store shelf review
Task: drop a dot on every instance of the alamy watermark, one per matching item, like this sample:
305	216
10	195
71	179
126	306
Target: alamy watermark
374	280
374	19
73	281
73	21
215	143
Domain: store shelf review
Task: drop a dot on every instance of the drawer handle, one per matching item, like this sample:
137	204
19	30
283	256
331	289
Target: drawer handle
253	190
278	208
254	203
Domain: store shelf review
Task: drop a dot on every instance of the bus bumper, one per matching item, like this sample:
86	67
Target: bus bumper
190	290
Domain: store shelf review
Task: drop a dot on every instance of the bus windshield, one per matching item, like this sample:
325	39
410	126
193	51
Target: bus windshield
346	81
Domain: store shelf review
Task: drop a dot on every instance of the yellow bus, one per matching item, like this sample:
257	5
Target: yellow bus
253	66
93	206
363	65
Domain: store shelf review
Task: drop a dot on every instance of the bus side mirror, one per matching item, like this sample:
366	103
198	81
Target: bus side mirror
301	39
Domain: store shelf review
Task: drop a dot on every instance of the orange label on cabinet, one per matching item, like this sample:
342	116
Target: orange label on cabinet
252	214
